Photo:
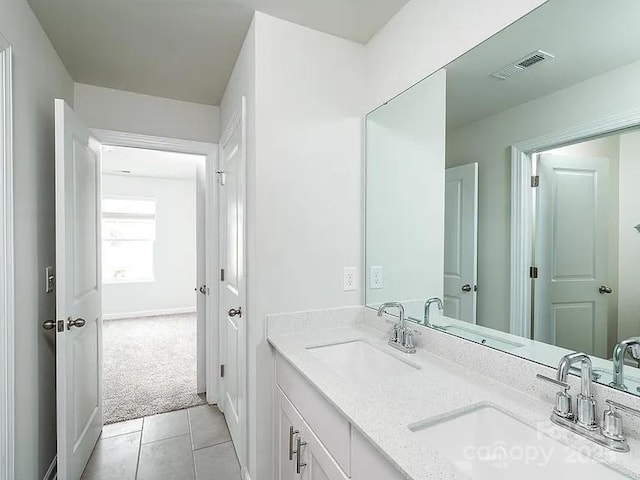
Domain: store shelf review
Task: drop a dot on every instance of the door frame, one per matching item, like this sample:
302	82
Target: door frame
136	140
7	279
522	205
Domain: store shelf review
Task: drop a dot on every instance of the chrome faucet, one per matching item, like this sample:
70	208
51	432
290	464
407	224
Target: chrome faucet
586	405
401	337
609	434
427	308
619	352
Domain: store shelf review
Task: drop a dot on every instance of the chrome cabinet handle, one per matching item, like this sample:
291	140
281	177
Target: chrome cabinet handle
78	322
235	311
299	463
292	432
604	289
49	325
466	288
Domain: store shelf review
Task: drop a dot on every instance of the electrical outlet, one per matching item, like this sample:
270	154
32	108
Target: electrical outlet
376	278
350	278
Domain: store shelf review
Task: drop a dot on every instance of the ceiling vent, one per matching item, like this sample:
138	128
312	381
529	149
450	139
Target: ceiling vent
519	66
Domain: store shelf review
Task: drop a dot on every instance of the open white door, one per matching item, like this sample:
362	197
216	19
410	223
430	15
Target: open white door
78	293
201	289
233	315
206	246
571	253
461	242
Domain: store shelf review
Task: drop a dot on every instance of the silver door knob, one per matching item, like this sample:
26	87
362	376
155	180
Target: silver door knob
49	325
203	289
604	289
466	288
233	312
78	322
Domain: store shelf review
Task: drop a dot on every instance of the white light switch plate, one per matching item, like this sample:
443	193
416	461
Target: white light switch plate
350	279
376	278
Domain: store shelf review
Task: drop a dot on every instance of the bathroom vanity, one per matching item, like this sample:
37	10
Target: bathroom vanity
347	405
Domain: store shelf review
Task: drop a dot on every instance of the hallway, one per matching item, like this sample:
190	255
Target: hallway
191	444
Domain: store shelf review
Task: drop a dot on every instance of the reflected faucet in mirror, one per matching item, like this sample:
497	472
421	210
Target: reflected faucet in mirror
619	351
401	338
427	309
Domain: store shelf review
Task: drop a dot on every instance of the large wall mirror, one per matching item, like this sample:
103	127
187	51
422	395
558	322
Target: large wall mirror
517	200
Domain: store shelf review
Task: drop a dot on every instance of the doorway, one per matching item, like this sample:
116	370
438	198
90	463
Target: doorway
584	230
151	352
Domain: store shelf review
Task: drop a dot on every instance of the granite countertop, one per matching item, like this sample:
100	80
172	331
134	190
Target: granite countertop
382	409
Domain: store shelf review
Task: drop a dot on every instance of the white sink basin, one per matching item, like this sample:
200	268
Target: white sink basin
488	444
357	361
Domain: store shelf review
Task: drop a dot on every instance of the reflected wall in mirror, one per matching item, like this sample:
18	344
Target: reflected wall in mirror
539	190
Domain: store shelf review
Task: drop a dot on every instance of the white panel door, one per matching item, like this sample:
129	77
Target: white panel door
461	242
201	289
78	293
572	253
232	292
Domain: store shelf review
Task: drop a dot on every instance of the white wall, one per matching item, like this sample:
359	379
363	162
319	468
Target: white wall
308	186
175	248
405	146
487	142
38	78
425	35
629	247
110	109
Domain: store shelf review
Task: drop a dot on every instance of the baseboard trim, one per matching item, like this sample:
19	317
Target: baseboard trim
148	313
52	473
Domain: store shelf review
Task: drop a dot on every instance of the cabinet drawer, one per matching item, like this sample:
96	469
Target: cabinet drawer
331	428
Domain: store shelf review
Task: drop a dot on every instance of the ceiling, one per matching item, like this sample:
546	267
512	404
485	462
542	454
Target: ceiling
149	163
183	49
586	38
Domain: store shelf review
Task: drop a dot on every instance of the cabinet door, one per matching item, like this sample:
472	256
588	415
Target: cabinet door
320	465
288	428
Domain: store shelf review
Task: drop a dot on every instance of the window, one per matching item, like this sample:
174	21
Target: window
128	238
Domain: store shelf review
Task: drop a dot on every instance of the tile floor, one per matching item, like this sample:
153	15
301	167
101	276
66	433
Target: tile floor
191	444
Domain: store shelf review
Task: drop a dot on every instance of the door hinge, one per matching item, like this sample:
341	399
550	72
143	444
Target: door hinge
535	181
222	371
533	272
222	274
221	177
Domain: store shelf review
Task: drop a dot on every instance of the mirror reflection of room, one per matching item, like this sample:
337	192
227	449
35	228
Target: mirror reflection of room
541	236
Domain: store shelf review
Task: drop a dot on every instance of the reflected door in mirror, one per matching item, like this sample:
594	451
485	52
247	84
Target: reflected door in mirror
460	242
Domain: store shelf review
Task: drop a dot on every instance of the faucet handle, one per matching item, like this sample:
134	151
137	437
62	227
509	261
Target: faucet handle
563	399
408	339
564	385
612	421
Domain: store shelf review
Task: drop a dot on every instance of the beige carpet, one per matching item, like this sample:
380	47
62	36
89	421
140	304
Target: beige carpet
149	366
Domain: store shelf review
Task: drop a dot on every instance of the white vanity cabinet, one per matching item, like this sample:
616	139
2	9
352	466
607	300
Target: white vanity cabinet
329	446
301	455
